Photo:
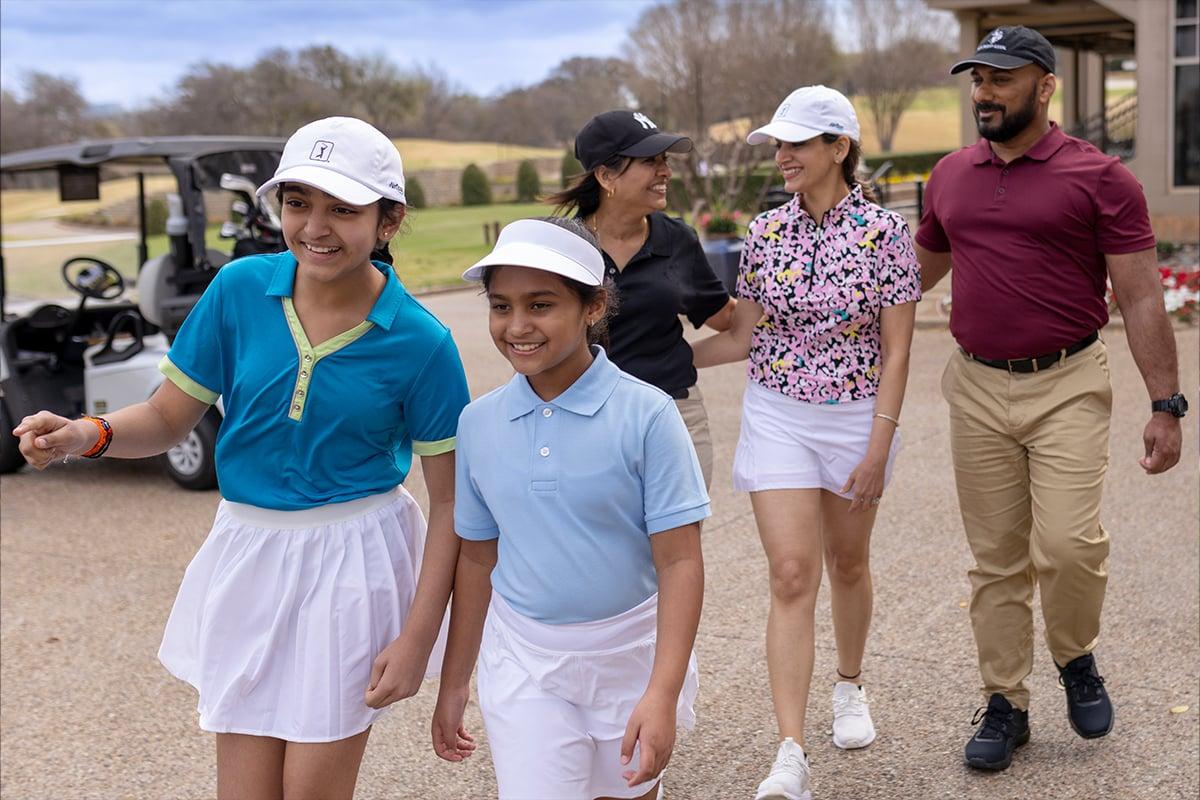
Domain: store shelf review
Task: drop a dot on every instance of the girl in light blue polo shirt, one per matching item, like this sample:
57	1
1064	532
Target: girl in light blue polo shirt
578	500
302	615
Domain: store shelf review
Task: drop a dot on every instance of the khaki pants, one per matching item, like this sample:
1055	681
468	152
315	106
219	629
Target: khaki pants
696	418
1030	452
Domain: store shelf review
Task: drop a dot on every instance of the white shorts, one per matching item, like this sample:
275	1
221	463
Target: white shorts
556	700
281	614
789	444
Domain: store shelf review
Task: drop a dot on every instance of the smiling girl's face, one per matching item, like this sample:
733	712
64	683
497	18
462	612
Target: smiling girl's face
330	238
540	325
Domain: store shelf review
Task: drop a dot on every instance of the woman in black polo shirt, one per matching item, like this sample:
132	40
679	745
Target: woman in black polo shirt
655	260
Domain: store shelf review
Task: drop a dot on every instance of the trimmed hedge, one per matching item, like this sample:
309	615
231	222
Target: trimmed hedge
919	163
570	167
414	192
529	185
476	191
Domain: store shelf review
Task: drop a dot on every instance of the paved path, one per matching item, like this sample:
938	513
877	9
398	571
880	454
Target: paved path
92	555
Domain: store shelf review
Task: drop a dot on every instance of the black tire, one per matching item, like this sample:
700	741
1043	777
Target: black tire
11	459
192	463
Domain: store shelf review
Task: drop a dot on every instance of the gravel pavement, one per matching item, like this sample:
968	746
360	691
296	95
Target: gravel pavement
92	554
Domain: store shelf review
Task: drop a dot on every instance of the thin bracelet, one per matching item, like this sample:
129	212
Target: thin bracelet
892	420
102	443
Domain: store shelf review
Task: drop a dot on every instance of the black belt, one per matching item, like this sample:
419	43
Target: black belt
1036	362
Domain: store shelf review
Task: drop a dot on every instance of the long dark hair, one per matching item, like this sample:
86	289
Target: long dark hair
582	197
850	165
597	332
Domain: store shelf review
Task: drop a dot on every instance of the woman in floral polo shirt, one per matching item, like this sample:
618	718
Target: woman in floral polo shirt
827	295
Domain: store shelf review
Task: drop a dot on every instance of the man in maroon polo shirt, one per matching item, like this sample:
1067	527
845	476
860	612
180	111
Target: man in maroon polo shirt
1033	222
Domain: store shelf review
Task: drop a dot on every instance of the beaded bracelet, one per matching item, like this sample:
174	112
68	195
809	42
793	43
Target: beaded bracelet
105	439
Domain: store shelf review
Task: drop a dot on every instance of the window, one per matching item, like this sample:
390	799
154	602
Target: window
1186	150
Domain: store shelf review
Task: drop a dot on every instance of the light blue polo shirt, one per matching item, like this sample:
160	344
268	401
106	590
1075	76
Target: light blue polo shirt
307	424
573	488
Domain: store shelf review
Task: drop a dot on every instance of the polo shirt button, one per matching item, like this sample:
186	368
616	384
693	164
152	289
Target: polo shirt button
547	412
308	358
303	373
545	451
296	407
299	393
1004	172
1000	190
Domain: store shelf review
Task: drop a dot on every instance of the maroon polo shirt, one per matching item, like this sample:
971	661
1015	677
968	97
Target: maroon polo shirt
1028	240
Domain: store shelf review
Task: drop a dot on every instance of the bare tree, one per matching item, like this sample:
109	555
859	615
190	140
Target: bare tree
713	68
50	111
901	51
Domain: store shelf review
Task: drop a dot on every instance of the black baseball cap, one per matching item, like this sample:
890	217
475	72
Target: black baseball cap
624	133
1010	47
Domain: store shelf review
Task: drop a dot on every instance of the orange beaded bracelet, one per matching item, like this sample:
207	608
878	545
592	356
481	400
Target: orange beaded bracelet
105	439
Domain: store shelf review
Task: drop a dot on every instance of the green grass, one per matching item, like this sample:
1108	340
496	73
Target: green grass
436	245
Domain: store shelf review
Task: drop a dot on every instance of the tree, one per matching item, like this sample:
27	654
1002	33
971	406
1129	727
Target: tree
714	68
476	190
900	53
49	111
414	192
570	166
529	185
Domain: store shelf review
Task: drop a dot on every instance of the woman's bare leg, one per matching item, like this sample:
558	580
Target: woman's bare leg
249	767
323	770
846	537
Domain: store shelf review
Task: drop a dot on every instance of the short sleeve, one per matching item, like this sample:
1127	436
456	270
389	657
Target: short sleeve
195	361
703	293
899	272
437	397
674	493
930	233
1122	220
472	518
752	254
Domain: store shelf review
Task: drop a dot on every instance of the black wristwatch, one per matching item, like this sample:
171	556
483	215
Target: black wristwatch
1176	405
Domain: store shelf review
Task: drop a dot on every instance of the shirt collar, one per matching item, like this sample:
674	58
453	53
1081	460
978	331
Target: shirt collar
1042	149
584	397
848	203
386	307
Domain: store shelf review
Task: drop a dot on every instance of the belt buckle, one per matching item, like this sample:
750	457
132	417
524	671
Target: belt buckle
1008	362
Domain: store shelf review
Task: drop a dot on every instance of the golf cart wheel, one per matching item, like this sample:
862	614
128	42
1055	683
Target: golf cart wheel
192	462
11	459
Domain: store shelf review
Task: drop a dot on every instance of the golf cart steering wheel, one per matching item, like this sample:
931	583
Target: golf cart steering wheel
93	278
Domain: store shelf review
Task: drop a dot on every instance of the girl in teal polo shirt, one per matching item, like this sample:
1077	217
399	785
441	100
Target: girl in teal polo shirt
578	500
317	598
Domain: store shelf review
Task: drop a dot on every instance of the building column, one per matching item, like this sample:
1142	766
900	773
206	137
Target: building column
968	39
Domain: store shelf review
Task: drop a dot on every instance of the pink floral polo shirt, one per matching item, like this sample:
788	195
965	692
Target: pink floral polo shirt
822	288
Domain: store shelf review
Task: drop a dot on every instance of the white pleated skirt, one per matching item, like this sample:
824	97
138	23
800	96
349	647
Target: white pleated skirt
281	614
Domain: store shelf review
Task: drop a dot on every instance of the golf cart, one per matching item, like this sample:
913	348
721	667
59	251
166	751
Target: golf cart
103	353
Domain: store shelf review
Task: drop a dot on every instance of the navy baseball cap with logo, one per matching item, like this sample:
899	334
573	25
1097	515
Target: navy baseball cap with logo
624	133
1010	47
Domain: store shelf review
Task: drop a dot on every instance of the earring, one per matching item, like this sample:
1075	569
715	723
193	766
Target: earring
610	193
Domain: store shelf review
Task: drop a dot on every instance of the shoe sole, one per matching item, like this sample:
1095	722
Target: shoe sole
784	796
996	766
1112	721
853	744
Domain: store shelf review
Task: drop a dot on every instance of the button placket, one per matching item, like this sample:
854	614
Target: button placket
545	448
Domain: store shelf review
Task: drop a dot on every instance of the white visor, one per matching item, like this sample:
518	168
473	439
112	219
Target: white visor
543	245
333	183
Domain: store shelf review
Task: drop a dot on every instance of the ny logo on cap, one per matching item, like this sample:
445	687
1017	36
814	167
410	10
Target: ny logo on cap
644	121
321	150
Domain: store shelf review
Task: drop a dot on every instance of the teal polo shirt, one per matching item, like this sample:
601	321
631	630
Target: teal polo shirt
309	424
573	489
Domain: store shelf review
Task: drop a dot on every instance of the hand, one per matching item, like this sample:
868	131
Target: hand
866	481
396	674
47	437
451	741
1162	437
652	726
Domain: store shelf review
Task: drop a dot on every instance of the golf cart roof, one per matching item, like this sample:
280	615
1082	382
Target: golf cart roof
147	150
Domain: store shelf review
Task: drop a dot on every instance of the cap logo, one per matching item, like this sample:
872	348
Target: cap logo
838	125
992	42
996	36
782	112
321	151
644	121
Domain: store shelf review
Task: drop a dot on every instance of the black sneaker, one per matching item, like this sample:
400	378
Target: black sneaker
1088	707
1002	731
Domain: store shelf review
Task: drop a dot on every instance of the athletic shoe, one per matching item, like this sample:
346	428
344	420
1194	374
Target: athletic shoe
789	775
852	726
1002	729
1089	710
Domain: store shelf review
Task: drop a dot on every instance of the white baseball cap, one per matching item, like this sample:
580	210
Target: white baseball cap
543	245
808	112
344	157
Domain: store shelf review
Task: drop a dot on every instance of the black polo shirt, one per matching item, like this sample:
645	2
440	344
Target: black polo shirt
670	276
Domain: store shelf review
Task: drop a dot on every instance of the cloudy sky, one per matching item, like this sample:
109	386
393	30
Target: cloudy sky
128	52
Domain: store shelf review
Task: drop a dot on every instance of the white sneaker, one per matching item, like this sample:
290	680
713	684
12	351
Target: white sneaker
852	726
789	775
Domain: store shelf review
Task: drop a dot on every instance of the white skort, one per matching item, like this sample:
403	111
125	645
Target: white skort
281	614
556	700
789	444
